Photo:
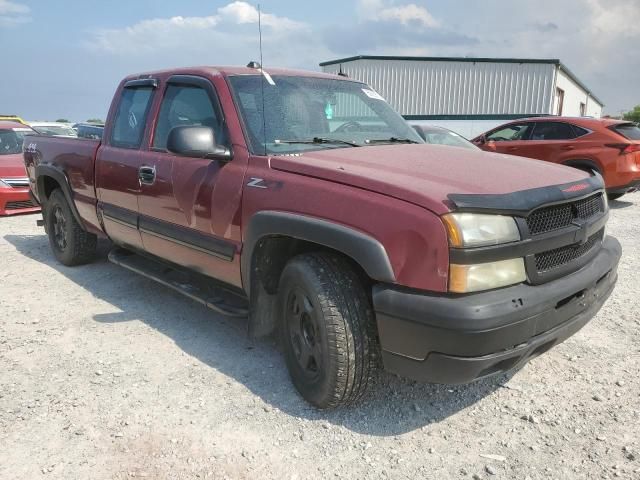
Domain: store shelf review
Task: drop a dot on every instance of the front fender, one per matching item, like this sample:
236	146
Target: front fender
368	252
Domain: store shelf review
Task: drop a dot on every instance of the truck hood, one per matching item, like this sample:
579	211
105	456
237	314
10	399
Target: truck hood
426	174
12	166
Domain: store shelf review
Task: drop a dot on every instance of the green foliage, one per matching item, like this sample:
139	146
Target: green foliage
95	120
62	120
633	115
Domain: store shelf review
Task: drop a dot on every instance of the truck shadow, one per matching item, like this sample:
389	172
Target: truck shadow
393	407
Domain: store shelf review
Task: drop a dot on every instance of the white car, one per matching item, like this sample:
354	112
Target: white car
53	128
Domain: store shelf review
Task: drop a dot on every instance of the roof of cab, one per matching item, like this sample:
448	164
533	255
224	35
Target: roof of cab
232	71
4	124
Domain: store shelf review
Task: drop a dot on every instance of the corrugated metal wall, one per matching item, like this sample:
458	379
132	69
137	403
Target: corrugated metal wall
457	88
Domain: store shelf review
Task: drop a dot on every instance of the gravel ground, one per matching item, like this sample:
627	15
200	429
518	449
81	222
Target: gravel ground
107	375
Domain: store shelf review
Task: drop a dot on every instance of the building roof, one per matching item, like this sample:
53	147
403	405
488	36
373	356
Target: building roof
549	61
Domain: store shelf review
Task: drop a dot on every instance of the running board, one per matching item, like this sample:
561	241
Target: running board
197	287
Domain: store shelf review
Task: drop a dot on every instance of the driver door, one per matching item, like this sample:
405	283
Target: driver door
510	139
189	206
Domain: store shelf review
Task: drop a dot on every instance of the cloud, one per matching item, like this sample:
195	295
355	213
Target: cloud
12	13
409	14
180	33
390	28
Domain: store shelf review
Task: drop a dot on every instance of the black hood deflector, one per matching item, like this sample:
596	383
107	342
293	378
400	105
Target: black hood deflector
523	202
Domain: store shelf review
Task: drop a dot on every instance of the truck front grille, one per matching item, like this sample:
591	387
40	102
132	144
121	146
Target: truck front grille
559	257
19	205
555	217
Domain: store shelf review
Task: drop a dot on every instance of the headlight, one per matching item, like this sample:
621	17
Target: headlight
478	230
486	276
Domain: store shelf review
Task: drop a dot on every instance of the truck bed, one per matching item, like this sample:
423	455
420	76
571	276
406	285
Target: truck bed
73	157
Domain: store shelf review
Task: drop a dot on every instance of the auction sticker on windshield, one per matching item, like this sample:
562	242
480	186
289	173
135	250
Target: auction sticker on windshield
372	94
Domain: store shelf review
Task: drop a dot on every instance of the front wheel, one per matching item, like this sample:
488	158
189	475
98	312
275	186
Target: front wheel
327	329
71	244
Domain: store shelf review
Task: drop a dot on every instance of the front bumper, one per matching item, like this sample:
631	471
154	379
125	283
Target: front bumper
627	188
461	338
16	200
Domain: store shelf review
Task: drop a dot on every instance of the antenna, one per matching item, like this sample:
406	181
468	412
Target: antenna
262	79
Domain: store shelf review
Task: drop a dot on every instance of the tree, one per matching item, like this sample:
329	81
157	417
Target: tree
633	115
62	120
95	120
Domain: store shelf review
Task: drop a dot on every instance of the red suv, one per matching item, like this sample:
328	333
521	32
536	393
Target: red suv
14	183
611	147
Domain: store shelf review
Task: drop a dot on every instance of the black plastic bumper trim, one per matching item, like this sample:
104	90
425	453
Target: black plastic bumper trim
415	325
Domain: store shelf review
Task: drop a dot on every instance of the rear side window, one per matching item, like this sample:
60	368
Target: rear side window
630	131
579	131
552	131
128	126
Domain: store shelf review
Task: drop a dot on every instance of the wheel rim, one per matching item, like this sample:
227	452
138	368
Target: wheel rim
304	334
59	228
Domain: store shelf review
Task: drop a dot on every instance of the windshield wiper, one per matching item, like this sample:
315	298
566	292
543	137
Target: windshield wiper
389	140
320	141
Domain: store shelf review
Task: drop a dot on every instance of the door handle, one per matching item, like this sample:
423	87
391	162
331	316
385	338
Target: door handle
568	147
147	175
512	149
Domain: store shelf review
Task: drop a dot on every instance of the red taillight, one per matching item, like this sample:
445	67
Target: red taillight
625	147
634	147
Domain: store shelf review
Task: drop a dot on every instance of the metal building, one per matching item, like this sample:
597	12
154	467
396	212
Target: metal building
471	95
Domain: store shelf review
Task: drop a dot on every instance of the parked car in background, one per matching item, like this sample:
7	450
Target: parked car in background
610	147
53	128
89	130
443	136
14	183
12	118
346	235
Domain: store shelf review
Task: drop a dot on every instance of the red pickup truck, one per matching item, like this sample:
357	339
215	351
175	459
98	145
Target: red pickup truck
305	202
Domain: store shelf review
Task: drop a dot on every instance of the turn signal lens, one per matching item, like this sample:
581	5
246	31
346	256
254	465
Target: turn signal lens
486	276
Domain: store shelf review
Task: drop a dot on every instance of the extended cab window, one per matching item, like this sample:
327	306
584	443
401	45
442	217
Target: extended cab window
187	105
510	133
552	131
131	117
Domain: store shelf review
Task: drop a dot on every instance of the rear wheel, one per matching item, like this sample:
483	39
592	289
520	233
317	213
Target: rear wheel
71	245
327	329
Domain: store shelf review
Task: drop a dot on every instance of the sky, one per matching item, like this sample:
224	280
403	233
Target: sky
64	59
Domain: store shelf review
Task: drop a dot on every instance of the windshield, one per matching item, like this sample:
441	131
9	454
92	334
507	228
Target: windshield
55	130
327	113
441	136
11	140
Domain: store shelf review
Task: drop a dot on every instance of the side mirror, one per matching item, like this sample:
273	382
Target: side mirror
420	132
490	145
481	140
196	142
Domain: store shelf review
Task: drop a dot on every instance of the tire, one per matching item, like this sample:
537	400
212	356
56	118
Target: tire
614	196
327	330
71	245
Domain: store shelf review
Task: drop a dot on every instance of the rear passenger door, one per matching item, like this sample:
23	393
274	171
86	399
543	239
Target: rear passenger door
118	161
189	206
550	141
